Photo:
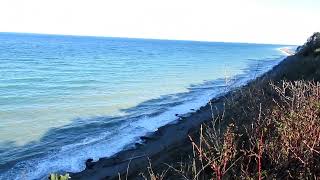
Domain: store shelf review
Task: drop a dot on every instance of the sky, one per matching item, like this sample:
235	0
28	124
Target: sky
255	21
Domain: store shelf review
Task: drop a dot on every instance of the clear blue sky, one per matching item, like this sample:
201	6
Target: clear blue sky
260	21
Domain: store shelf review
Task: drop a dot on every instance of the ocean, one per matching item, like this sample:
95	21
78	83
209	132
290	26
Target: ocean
64	99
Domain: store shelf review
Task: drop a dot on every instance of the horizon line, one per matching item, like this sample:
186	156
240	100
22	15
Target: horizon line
164	39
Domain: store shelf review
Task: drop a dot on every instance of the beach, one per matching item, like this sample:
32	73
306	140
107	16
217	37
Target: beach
168	144
159	146
159	90
101	100
287	51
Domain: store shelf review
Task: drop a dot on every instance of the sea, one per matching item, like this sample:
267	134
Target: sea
64	99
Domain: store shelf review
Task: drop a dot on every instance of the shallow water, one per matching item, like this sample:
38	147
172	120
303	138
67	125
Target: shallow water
64	99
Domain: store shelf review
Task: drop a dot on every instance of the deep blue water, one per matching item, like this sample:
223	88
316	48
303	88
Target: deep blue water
64	99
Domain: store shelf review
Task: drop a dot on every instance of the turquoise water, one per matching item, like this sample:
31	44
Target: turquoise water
64	99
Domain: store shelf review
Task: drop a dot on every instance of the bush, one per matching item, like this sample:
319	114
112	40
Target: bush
310	46
59	177
282	141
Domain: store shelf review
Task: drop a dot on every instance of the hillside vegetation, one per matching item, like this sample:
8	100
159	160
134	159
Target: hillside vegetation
267	129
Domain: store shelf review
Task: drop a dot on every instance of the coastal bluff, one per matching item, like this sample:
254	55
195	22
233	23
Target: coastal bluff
174	144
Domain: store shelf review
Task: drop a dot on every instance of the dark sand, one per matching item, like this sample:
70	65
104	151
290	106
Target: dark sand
157	146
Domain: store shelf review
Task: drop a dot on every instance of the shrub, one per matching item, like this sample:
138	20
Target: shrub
59	177
310	46
282	141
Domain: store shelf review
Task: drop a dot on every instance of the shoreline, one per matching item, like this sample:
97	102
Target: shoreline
253	69
168	139
287	51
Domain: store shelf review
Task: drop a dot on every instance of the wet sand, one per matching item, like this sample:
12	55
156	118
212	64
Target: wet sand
157	146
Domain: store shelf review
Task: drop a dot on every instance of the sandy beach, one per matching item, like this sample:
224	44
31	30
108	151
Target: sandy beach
286	51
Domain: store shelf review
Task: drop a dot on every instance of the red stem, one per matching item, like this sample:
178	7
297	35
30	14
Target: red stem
218	173
259	157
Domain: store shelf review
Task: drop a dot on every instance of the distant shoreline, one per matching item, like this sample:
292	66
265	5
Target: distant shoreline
287	51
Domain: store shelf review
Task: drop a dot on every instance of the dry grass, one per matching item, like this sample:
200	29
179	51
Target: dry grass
296	147
281	140
152	175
